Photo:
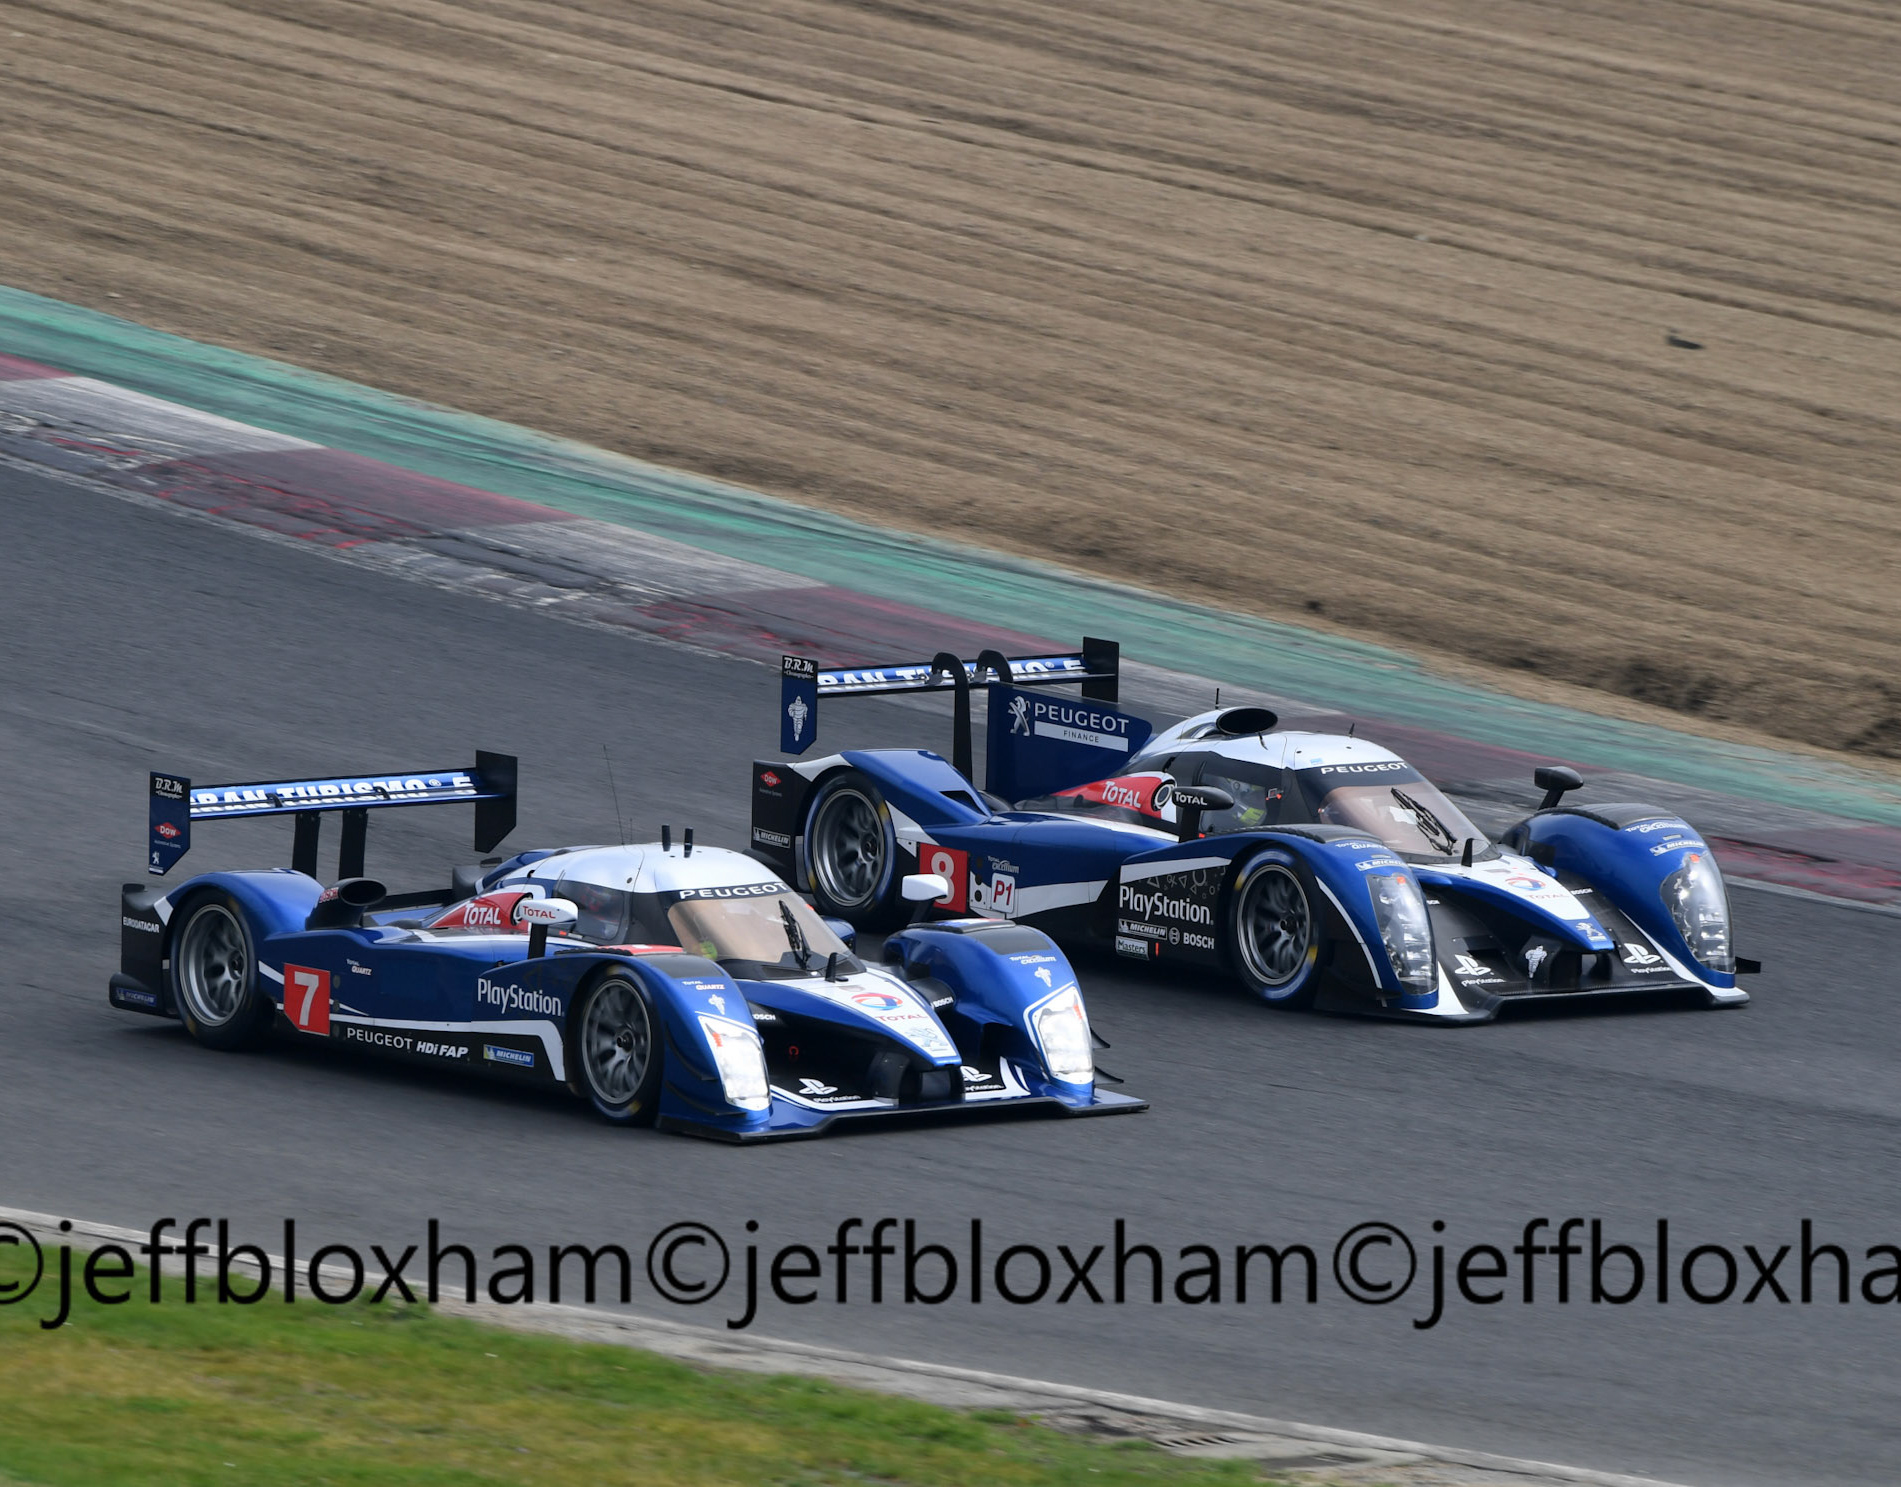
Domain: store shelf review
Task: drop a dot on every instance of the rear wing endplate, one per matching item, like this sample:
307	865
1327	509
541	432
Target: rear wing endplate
803	684
489	784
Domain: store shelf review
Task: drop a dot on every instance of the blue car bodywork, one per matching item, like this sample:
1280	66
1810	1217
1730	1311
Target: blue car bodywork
965	1017
1320	869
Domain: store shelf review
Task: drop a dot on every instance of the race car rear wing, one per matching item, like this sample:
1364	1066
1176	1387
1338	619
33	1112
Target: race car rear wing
489	783
1096	668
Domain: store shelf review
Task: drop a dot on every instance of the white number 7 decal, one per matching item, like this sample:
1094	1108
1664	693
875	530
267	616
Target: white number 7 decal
307	999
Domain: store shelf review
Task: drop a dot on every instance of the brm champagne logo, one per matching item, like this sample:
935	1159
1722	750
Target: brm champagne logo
798	703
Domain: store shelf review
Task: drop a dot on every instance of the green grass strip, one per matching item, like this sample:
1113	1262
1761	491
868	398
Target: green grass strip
361	1396
1355	677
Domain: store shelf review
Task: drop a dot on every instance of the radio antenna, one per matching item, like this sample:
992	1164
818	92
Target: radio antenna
620	823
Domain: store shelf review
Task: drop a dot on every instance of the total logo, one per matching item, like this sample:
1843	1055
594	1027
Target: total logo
1161	906
878	1001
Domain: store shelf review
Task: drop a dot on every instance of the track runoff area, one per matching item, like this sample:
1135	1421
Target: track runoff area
160	639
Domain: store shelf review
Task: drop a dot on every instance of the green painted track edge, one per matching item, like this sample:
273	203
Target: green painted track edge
1010	591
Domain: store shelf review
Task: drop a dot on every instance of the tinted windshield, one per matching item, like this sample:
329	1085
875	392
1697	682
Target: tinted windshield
769	930
1399	807
606	914
1256	790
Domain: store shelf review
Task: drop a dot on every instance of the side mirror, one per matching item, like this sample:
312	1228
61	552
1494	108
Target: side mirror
1191	801
924	888
542	915
1555	780
847	933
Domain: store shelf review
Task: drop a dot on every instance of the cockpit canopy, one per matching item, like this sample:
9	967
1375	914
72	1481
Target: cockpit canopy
1291	778
718	904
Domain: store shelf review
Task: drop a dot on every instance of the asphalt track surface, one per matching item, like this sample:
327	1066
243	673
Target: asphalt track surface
141	638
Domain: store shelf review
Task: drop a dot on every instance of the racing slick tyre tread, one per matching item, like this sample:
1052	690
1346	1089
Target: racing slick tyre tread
1275	932
851	853
617	1050
214	977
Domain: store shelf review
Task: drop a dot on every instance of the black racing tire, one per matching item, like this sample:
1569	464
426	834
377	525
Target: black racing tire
617	1050
851	853
214	975
1274	930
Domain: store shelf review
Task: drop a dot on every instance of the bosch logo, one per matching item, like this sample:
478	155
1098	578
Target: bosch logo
1161	906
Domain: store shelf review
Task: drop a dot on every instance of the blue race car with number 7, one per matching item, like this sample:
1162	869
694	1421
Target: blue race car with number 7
689	989
1316	869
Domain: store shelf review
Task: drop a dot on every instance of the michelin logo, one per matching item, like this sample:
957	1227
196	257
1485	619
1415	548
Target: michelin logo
1161	906
798	712
516	998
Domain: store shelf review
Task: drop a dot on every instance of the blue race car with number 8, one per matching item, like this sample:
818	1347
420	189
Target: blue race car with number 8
1317	869
689	989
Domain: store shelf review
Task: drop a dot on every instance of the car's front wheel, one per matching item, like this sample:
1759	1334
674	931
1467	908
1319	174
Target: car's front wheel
851	851
617	1051
1274	931
214	977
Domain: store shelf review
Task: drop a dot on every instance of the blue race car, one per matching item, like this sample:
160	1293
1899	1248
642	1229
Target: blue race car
688	989
1317	869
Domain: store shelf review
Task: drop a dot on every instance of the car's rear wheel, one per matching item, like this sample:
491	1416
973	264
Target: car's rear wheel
1274	931
851	851
617	1051
214	976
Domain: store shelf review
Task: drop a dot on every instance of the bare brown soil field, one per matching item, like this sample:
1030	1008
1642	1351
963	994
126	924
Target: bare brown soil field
1352	313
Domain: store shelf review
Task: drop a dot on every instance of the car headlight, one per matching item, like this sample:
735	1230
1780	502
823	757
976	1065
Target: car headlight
741	1060
1399	908
1062	1029
1695	898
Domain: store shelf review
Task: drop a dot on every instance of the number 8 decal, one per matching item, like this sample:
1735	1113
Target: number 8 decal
307	999
953	867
